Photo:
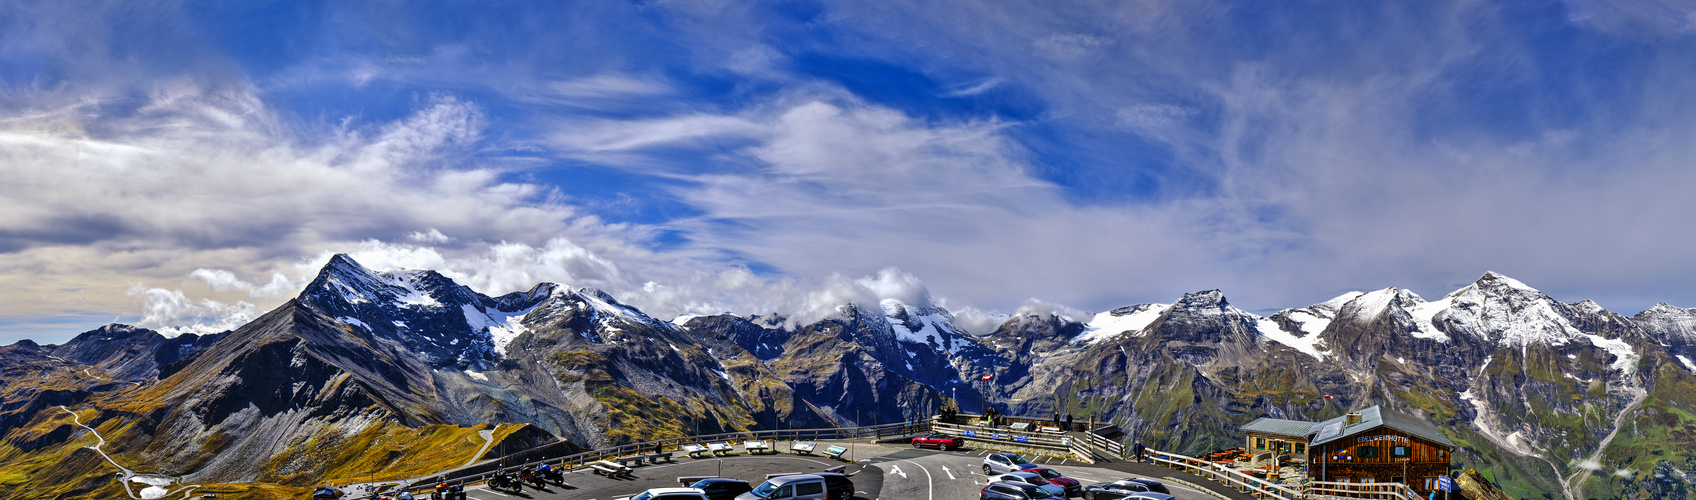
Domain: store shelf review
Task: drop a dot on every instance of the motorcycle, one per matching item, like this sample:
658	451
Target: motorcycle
532	476
454	492
553	475
506	481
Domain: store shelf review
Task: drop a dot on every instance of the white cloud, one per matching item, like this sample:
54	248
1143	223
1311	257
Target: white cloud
432	236
976	88
1070	46
172	313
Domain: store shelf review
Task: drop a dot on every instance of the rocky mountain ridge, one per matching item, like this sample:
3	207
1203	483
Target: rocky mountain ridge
1566	399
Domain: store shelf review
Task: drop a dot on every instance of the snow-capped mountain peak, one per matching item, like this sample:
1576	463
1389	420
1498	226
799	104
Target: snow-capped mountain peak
357	284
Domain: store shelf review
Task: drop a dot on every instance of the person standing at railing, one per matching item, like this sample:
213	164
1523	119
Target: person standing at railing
1139	449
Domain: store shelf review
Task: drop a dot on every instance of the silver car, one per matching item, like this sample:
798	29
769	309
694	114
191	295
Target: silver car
1032	479
1003	462
791	487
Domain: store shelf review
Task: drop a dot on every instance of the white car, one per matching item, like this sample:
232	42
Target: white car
1030	478
669	494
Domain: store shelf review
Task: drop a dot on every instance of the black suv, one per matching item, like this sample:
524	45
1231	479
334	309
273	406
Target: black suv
722	488
837	486
1013	491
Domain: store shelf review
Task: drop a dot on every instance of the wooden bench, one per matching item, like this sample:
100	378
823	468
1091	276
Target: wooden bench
654	458
835	452
721	448
754	447
609	469
695	450
803	448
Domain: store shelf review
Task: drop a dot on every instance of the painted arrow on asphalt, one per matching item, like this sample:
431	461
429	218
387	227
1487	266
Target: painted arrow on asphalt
949	472
897	470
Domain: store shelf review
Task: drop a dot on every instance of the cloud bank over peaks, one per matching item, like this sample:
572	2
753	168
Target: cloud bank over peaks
508	267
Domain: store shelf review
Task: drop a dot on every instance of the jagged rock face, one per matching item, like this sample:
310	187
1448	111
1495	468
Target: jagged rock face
131	354
1528	385
446	324
272	384
1673	327
1023	346
1534	385
1200	329
764	342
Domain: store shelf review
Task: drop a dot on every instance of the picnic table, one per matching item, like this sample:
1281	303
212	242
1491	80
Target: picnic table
803	448
695	450
757	446
721	448
630	461
609	469
654	458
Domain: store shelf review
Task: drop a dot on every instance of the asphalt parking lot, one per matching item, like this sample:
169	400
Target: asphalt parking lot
886	471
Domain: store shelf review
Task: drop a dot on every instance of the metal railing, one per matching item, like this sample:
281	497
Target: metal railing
1006	436
1108	446
1229	477
1267	489
1390	491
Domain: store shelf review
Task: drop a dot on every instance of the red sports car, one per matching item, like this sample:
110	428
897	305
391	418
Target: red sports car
938	441
1072	486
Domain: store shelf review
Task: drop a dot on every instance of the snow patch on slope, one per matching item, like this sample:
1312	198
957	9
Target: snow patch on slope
930	326
1310	324
1112	323
1309	344
354	321
1687	363
1423	315
1371	304
1625	358
502	327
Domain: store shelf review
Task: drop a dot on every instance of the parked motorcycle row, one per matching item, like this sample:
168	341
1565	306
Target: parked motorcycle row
513	480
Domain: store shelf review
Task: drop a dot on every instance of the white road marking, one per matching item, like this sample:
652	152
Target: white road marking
930	485
949	472
1174	484
897	469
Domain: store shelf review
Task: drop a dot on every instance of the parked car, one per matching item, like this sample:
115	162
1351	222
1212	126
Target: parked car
1071	486
939	442
1154	486
722	488
1002	463
1122	489
791	487
1013	491
837	486
1031	478
669	494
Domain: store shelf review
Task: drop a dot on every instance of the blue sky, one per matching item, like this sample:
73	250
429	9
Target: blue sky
191	163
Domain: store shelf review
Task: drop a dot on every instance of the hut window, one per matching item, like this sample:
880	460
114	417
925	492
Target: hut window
1369	452
1301	448
1259	443
1402	452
